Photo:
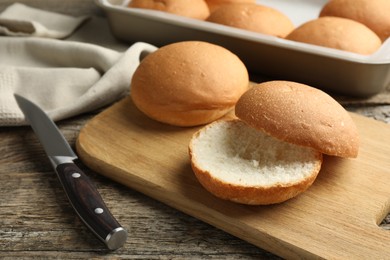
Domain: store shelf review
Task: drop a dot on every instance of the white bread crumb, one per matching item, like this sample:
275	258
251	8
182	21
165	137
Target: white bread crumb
234	153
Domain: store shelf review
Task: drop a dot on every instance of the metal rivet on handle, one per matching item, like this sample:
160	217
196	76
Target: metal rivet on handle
76	175
99	210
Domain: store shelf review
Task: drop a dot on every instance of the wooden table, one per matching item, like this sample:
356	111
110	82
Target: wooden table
36	219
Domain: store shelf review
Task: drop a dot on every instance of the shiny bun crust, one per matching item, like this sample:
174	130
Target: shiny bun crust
196	9
214	4
372	13
253	17
338	33
189	83
300	114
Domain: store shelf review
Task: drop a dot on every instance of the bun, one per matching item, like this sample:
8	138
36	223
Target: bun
273	151
189	83
372	13
236	162
214	4
338	33
302	115
196	9
253	17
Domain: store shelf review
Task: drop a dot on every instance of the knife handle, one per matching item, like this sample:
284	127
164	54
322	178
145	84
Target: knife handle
90	206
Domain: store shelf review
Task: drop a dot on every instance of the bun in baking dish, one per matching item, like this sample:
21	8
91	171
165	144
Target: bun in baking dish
236	162
338	33
375	14
214	4
302	115
253	17
196	9
189	83
273	151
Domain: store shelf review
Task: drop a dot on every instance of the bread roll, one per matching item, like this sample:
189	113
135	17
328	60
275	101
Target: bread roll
214	4
189	83
302	115
375	14
253	17
338	33
196	9
273	151
236	162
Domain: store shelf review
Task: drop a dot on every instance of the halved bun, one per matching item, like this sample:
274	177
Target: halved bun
273	151
300	114
253	17
372	13
189	83
196	9
338	33
236	162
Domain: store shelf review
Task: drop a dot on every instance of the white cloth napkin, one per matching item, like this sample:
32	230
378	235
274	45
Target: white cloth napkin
64	78
22	20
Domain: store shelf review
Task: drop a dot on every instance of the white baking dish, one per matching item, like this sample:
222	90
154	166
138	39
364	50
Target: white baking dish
331	70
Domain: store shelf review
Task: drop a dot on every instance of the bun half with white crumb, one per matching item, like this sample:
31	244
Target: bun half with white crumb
274	150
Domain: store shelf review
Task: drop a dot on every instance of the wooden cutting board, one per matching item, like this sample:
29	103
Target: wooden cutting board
337	217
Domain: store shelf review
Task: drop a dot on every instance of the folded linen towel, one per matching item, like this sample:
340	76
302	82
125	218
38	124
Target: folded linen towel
22	20
64	78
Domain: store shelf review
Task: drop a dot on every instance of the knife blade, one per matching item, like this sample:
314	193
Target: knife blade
82	194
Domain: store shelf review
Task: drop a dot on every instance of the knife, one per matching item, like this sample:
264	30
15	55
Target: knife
82	194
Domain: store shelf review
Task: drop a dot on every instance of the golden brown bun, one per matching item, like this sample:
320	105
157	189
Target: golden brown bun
236	162
189	83
253	17
302	115
338	33
196	9
375	14
214	4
